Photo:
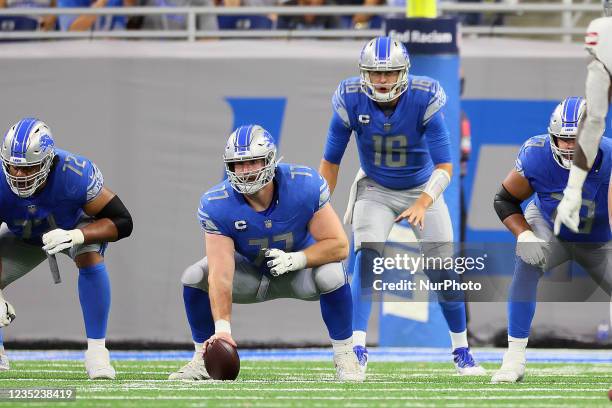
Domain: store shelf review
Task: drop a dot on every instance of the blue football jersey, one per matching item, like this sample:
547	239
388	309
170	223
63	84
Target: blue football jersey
299	192
72	182
548	180
396	150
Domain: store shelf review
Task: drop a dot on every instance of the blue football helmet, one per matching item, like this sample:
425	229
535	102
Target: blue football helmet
384	54
248	143
28	143
564	123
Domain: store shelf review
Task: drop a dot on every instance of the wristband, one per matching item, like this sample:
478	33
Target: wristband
222	326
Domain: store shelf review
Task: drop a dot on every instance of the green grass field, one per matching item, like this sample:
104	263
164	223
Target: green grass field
311	384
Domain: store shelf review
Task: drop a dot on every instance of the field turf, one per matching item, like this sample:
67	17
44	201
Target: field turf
311	384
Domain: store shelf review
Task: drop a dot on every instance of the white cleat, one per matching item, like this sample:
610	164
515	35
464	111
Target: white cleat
193	370
4	362
347	367
98	366
512	369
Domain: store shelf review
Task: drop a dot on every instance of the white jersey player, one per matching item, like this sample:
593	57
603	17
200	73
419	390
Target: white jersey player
598	42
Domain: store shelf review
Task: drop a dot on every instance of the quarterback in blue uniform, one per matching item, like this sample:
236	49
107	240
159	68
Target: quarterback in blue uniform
404	151
52	201
542	168
270	233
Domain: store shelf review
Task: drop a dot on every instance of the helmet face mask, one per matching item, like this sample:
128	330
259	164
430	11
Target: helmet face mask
383	55
247	145
564	124
27	154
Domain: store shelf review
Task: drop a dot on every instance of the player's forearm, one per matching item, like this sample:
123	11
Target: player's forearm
327	251
220	292
516	223
329	171
103	230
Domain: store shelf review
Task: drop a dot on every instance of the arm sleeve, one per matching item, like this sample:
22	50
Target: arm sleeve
521	160
95	182
208	221
438	139
437	99
322	194
338	137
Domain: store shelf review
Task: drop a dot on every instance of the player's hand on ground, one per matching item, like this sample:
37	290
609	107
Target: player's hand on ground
221	335
281	262
415	215
531	249
7	313
568	211
57	240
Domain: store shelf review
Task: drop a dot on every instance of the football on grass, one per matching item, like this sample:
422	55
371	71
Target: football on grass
221	360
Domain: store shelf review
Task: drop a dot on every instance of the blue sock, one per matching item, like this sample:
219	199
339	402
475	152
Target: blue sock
199	313
522	299
95	298
361	288
337	312
452	302
2	338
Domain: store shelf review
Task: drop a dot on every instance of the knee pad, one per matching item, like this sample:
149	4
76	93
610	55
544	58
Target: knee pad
194	274
329	277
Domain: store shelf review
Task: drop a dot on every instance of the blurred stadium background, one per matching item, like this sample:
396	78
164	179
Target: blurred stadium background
153	109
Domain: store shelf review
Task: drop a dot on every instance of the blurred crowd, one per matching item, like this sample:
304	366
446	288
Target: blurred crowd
204	22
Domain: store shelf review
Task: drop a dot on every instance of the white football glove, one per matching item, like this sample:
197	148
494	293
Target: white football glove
7	312
57	240
531	248
282	262
568	210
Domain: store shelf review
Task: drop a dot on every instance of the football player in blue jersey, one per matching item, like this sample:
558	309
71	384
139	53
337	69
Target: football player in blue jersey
542	168
404	151
53	201
270	233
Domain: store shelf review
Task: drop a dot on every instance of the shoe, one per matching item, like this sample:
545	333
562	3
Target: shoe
98	366
512	369
465	364
362	357
4	362
347	367
193	370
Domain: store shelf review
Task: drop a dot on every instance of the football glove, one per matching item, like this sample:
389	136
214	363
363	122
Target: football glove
57	240
568	210
530	248
282	262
